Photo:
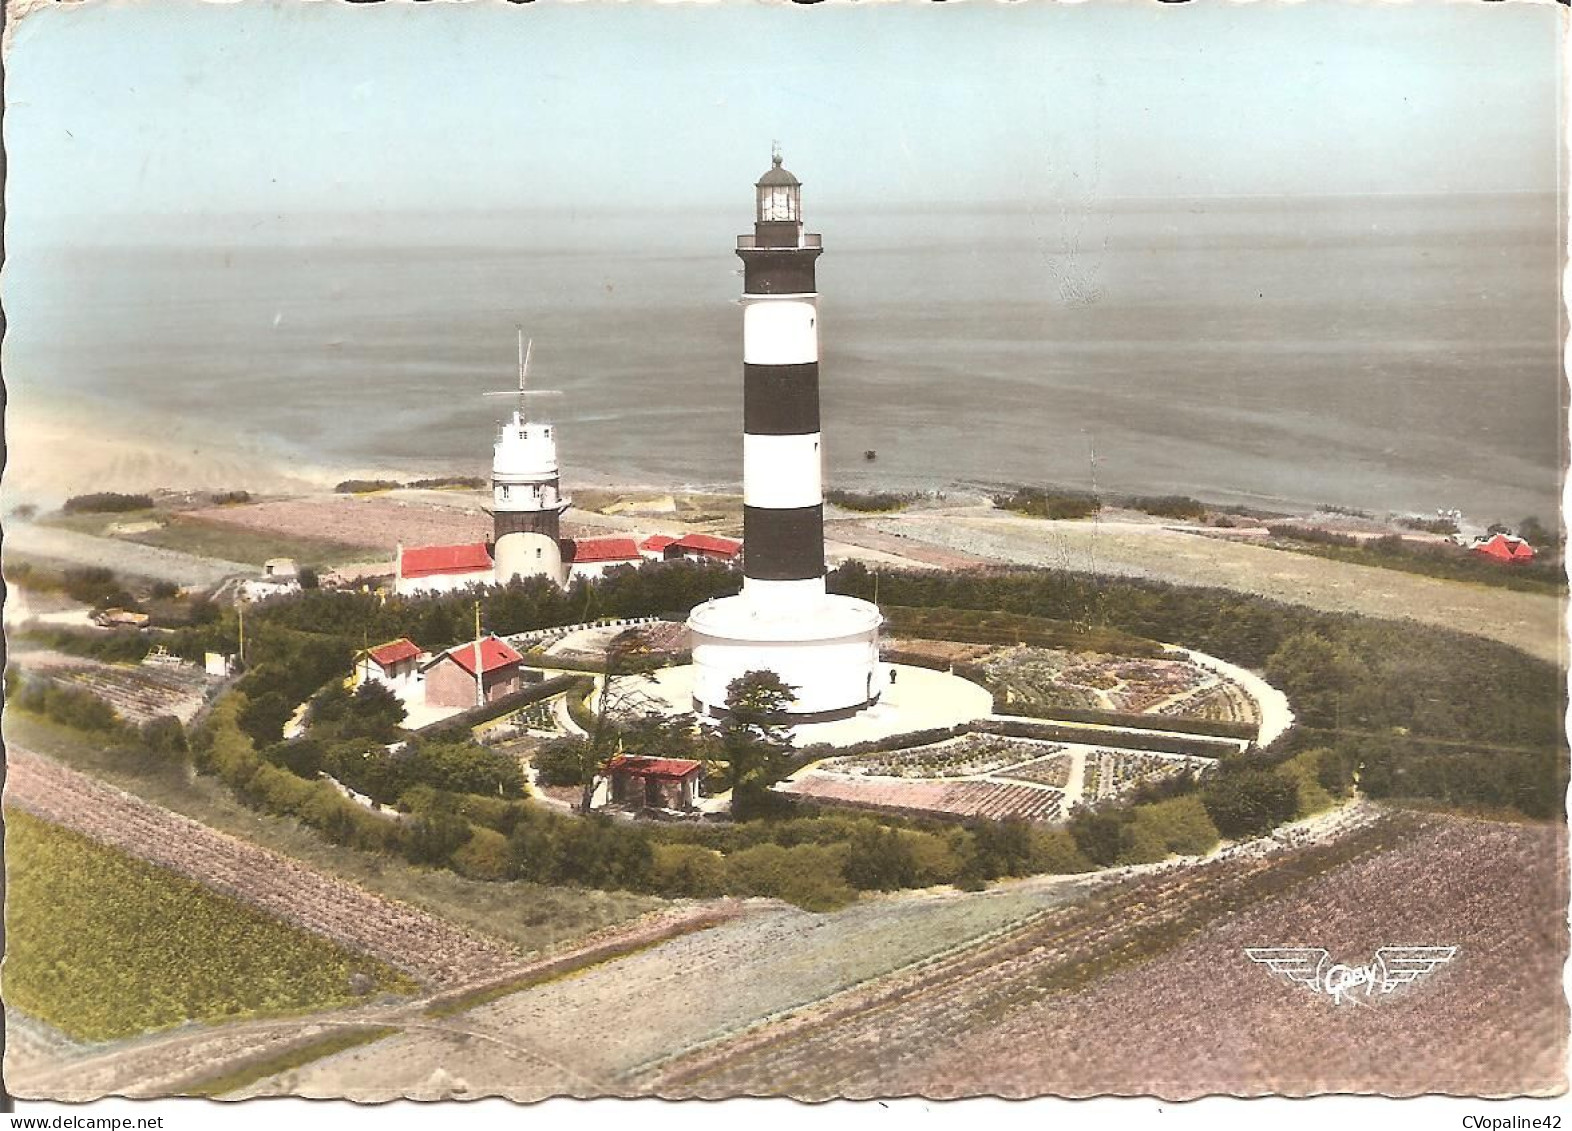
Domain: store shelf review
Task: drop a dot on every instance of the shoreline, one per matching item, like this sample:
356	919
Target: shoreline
55	452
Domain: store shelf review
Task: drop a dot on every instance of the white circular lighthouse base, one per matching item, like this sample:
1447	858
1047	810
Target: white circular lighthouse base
827	648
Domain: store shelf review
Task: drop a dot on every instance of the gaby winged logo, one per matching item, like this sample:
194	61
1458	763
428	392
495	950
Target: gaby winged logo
1312	966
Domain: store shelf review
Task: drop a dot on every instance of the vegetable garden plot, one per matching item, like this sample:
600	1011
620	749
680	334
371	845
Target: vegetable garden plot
966	756
991	799
138	692
1046	677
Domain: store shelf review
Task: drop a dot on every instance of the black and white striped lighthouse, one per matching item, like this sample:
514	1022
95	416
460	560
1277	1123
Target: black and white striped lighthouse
782	483
784	621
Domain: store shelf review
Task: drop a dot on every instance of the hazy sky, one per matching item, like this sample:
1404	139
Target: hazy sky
177	107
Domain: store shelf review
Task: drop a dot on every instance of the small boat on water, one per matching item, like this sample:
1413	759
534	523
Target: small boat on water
870	455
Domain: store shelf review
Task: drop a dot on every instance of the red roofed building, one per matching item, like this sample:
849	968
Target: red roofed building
654	783
394	664
704	547
654	547
590	558
450	676
442	569
1505	548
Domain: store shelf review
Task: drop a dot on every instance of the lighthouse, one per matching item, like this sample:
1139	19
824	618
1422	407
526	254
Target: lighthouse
526	491
784	621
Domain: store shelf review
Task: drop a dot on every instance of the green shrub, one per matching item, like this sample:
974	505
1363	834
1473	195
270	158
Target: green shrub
560	762
879	859
808	875
1163	828
1102	835
1054	853
688	870
1249	802
484	856
1304	769
106	502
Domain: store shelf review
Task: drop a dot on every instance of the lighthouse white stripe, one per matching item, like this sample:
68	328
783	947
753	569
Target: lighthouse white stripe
780	332
782	472
804	594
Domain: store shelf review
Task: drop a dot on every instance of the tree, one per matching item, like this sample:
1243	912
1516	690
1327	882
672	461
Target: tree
627	658
1102	835
755	737
1314	673
1532	531
1246	803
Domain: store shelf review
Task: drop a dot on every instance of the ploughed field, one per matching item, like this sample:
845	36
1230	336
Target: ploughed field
1146	989
137	692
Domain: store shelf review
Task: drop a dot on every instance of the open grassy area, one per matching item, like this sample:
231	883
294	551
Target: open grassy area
534	917
241	544
103	945
204	538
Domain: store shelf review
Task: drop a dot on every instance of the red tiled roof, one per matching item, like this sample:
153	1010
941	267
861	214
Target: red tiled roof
423	561
655	543
494	654
654	767
579	551
709	543
1505	549
393	651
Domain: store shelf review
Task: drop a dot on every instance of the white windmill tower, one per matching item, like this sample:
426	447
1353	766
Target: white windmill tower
526	489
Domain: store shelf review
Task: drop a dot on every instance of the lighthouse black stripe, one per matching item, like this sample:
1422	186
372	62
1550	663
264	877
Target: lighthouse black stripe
780	400
783	272
783	545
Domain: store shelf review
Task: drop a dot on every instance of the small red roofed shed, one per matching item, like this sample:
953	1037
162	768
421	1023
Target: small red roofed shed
394	651
654	783
709	546
393	663
654	546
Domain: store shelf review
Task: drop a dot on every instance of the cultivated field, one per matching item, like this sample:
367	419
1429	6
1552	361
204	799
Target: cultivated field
985	775
434	952
992	799
967	756
102	945
1146	989
137	692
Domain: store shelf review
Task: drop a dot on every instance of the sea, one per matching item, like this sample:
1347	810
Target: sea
1380	353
